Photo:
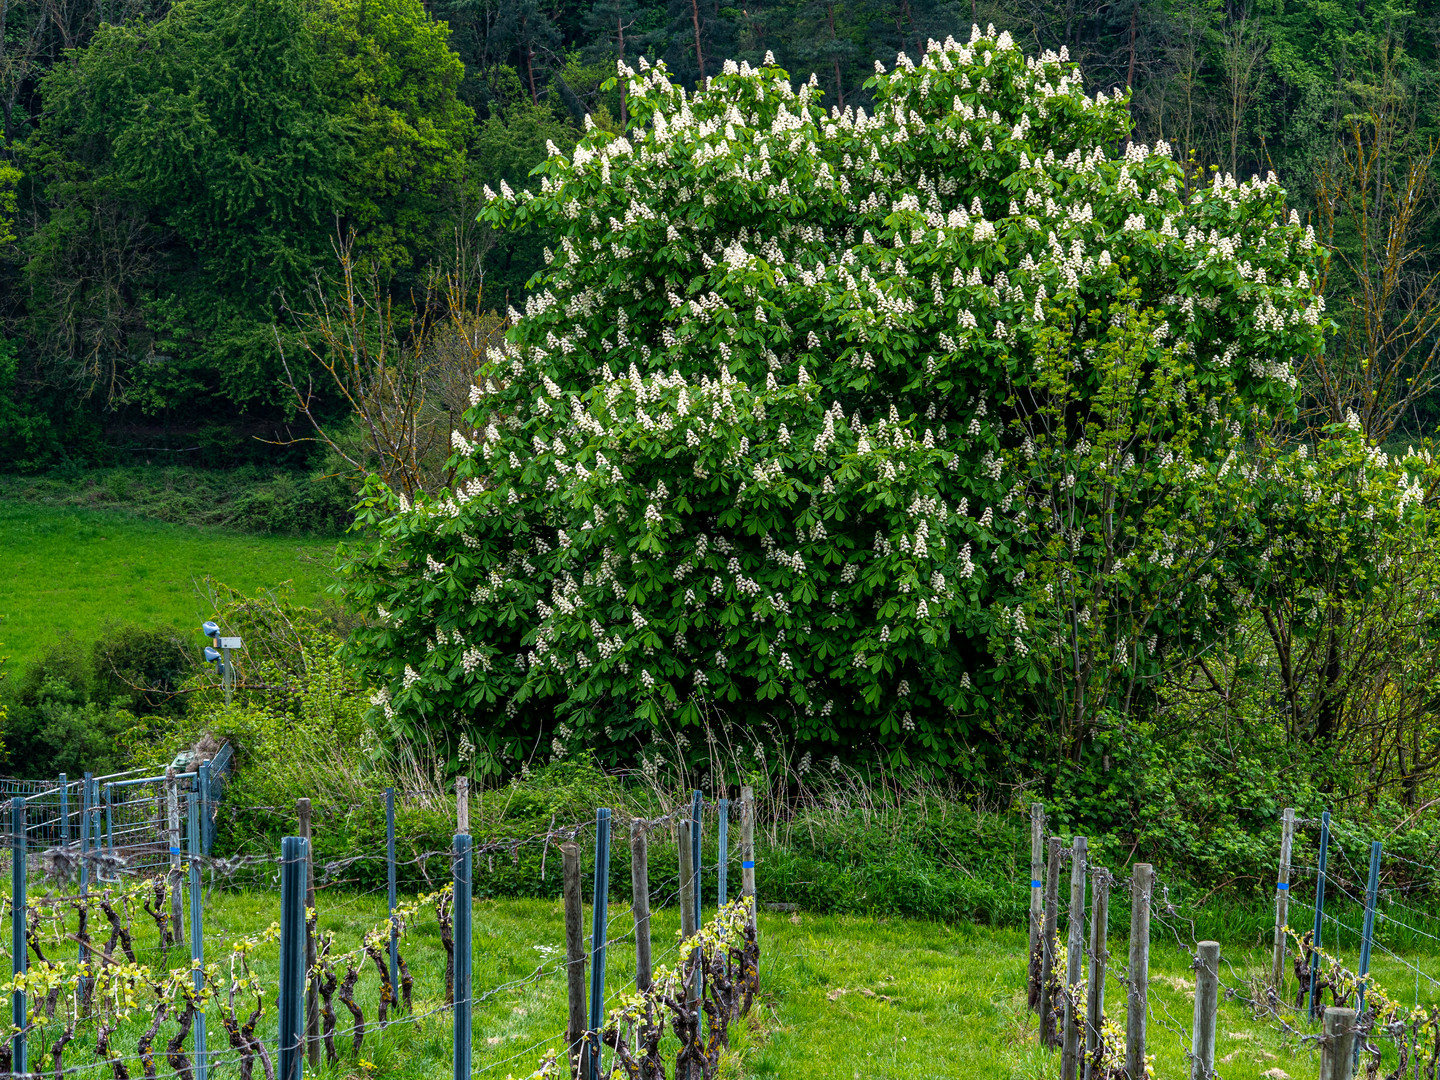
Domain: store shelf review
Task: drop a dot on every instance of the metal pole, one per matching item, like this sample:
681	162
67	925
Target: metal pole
1142	881
83	982
600	916
207	814
697	806
1368	931
463	936
1282	904
722	859
1037	898
172	813
110	818
390	870
291	1005
197	945
312	982
19	950
1319	909
64	810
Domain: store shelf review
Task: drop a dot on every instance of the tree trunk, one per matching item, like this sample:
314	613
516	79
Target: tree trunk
699	54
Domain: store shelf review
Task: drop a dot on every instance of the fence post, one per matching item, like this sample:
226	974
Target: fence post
1037	899
312	983
1282	904
1368	932
722	858
1095	999
291	1003
207	816
19	951
110	817
197	943
462	804
390	878
1337	1045
1142	881
461	927
64	810
574	957
1050	932
1207	1000
640	903
172	814
1074	961
1319	909
600	913
83	983
747	847
697	807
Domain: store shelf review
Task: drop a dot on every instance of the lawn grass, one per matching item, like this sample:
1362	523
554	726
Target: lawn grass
67	569
841	997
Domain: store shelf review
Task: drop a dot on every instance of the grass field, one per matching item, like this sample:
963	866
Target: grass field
840	997
70	569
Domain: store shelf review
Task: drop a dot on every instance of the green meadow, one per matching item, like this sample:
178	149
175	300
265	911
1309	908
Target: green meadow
73	570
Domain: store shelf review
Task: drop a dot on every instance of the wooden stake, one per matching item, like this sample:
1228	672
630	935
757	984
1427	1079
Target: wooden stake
1142	883
1207	1001
1074	962
1099	955
1337	1046
462	804
1282	904
1037	899
747	845
1050	934
640	903
574	955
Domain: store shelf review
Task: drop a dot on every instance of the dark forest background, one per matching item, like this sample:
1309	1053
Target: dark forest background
190	191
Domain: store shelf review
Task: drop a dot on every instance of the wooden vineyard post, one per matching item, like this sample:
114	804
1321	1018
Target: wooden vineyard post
574	954
1282	904
1037	899
172	815
1142	883
390	883
640	903
1207	1001
291	1003
312	984
1337	1044
19	951
747	848
1074	962
462	804
461	927
600	916
1099	957
1049	931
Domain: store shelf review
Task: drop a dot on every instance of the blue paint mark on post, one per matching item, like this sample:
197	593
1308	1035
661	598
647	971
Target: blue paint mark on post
1319	908
601	912
462	876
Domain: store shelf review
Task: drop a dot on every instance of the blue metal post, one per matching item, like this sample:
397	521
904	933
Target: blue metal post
64	809
697	807
83	985
19	952
1368	932
110	818
291	1004
207	820
597	937
197	946
390	870
1319	908
462	869
722	839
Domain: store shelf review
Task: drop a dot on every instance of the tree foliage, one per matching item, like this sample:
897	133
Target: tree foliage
778	430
